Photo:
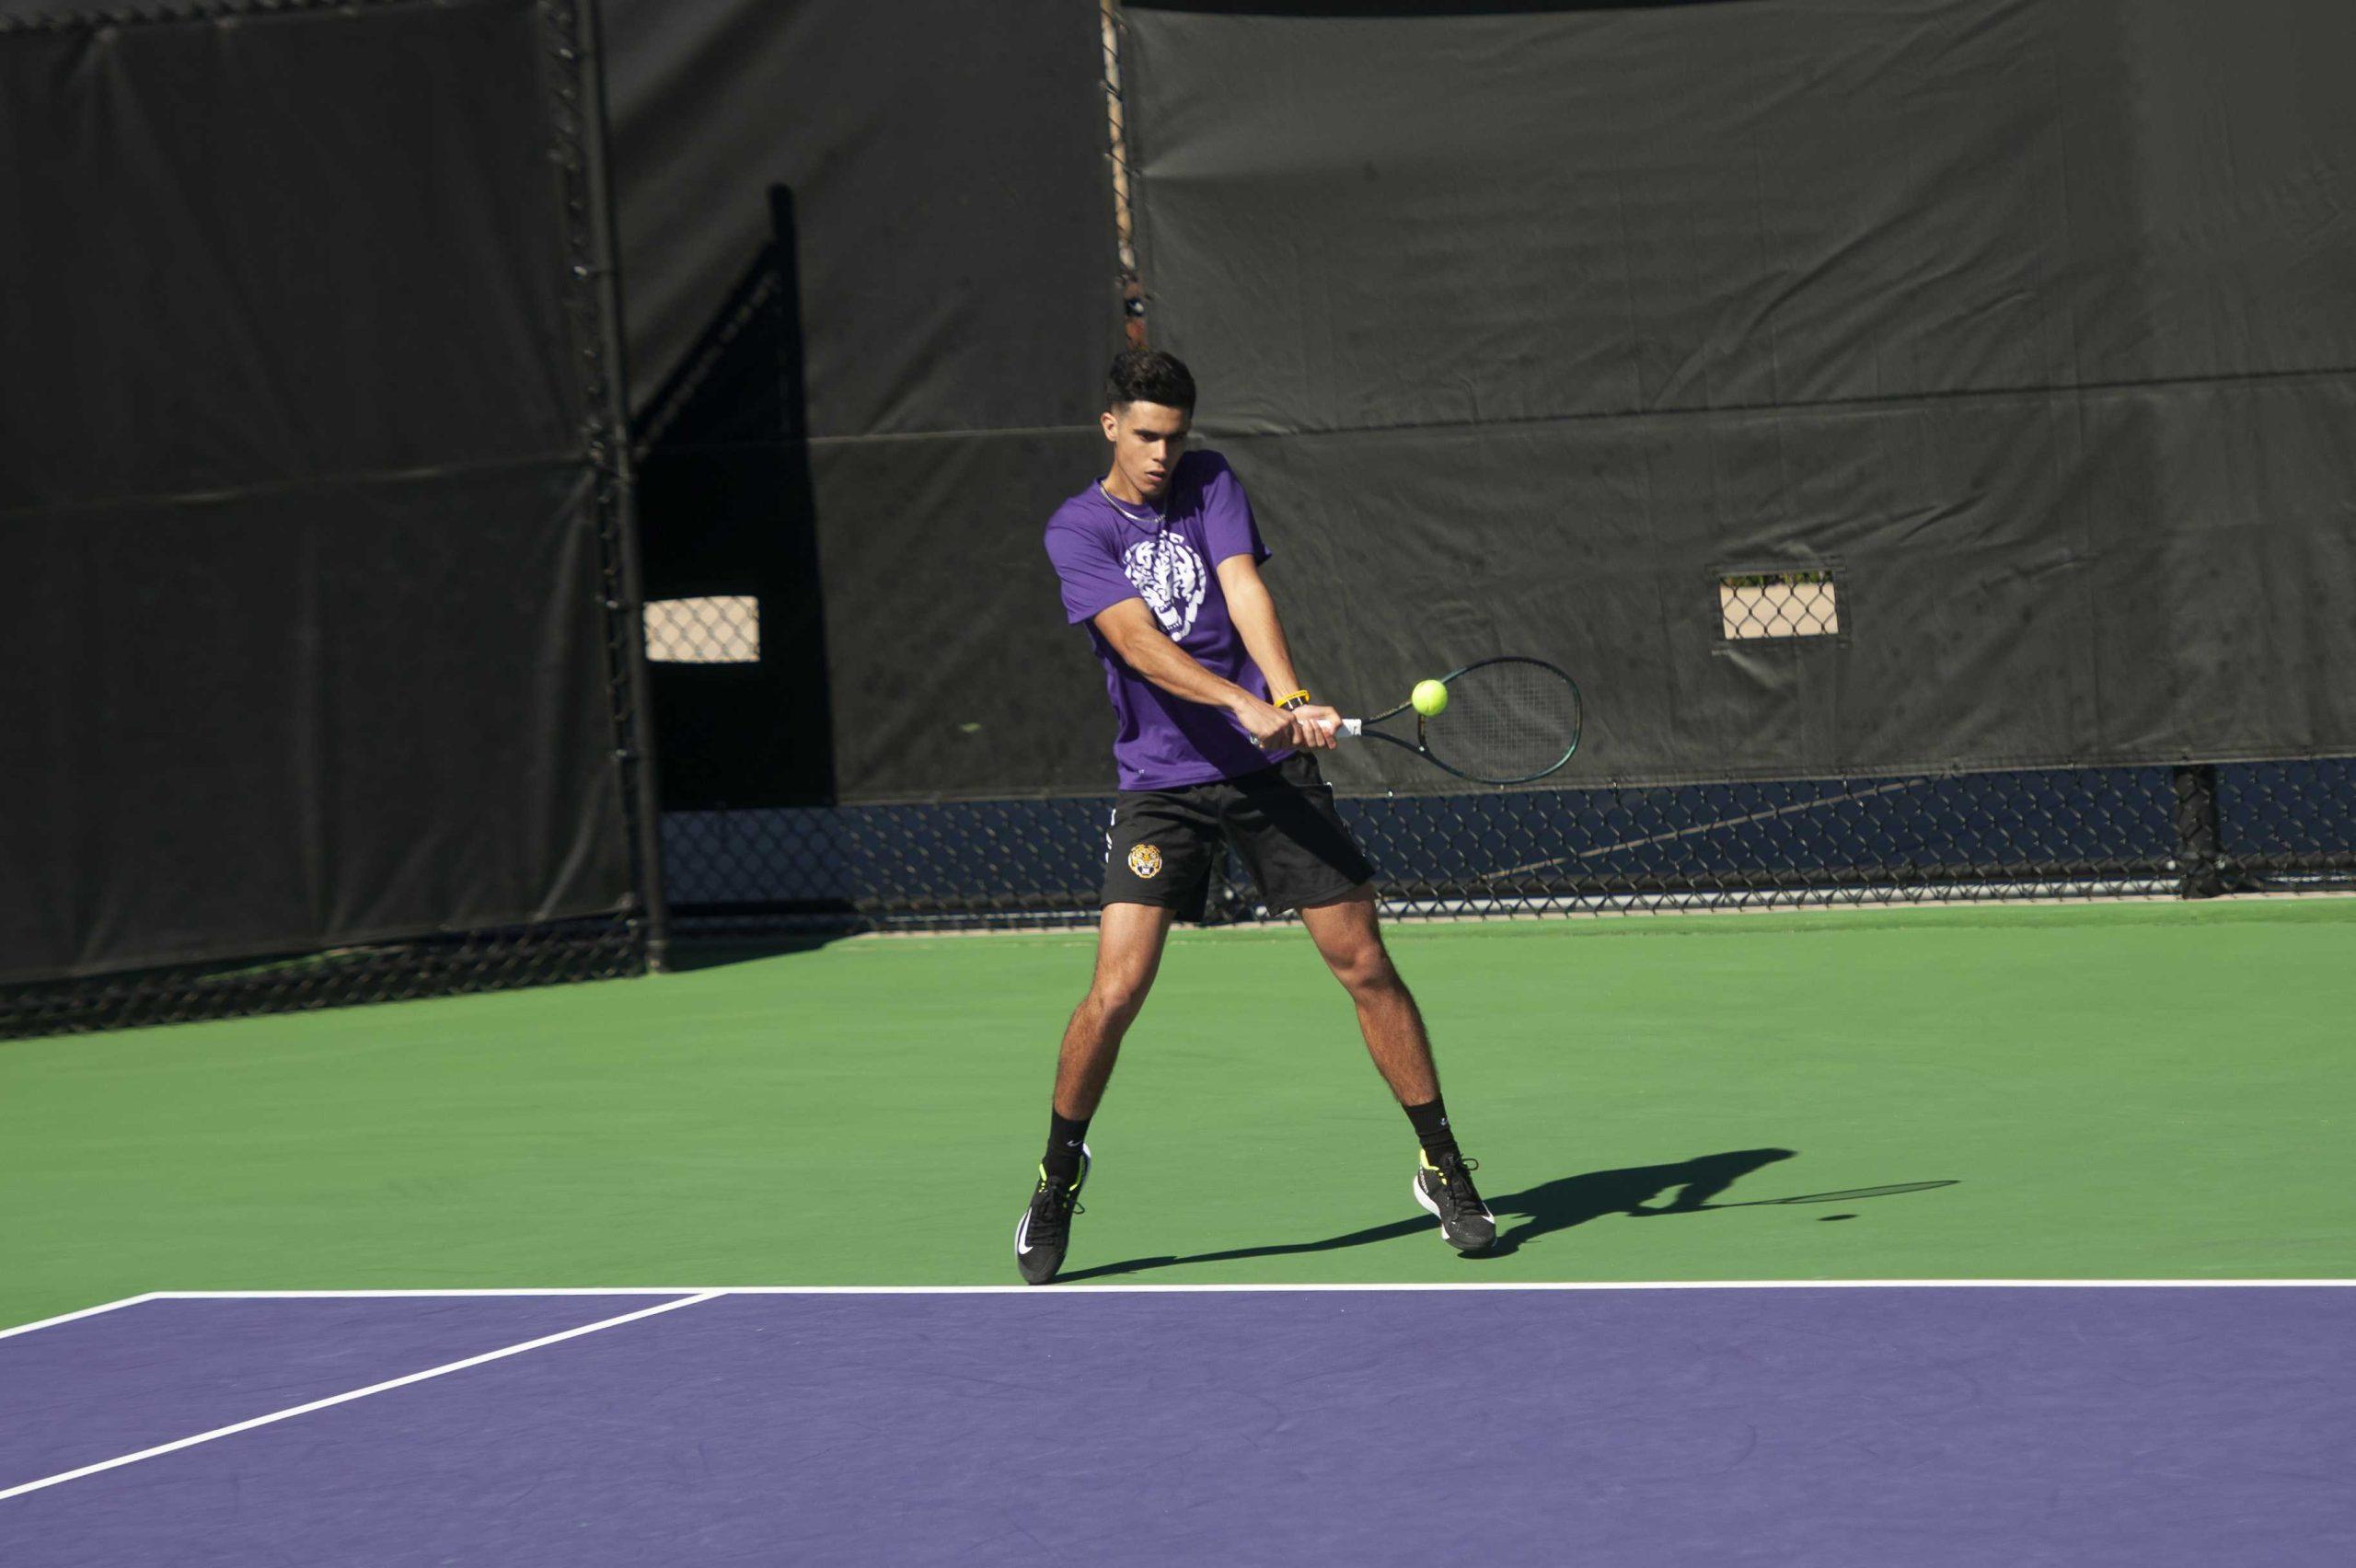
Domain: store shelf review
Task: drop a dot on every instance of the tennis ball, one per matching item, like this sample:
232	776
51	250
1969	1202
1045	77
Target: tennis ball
1429	697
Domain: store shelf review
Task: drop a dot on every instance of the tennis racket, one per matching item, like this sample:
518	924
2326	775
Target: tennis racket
1508	721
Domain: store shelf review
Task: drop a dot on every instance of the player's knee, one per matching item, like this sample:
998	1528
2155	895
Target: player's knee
1366	970
1120	997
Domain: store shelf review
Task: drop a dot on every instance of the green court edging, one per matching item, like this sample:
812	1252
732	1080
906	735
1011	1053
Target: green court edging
2114	1091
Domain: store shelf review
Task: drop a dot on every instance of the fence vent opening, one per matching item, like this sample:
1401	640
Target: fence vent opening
1778	604
722	629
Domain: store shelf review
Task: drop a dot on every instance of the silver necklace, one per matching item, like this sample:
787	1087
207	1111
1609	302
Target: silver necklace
1149	516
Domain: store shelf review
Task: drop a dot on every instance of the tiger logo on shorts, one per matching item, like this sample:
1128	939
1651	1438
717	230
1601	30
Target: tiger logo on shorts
1144	859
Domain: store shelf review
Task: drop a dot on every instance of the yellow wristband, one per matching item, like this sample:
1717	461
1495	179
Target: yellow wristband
1293	699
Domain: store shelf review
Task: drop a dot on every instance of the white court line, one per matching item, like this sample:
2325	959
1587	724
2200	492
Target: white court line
70	1316
427	1293
708	1290
690	1296
352	1394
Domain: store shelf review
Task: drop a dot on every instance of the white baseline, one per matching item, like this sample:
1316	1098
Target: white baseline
690	1295
1266	1289
352	1394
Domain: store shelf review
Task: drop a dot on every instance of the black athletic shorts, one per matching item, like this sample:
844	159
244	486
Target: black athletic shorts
1162	842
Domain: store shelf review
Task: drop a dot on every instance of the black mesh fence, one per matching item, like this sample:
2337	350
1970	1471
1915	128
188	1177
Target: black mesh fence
596	948
2189	831
456	960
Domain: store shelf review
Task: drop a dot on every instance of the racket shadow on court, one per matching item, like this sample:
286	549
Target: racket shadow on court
1636	1192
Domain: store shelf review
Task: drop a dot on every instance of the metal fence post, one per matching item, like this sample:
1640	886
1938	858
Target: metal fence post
591	230
2200	864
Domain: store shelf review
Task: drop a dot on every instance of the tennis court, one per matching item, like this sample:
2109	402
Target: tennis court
635	620
1819	1236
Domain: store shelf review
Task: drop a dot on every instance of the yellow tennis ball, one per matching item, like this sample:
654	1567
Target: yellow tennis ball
1428	697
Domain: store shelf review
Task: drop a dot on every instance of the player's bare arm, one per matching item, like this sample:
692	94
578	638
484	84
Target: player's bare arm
1129	627
1255	612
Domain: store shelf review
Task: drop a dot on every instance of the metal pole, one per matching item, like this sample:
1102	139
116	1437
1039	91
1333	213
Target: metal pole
611	436
2199	864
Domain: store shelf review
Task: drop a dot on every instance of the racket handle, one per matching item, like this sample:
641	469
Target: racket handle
1347	729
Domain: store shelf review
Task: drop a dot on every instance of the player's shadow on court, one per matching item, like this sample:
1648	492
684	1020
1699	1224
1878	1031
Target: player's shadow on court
1533	1213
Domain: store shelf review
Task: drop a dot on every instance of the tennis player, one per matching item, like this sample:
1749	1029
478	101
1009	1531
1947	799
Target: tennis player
1160	561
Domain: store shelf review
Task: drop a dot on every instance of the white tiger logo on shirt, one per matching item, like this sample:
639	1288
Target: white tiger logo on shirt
1166	570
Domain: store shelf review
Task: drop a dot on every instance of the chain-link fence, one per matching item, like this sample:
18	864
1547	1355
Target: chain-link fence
2187	830
2059	832
597	949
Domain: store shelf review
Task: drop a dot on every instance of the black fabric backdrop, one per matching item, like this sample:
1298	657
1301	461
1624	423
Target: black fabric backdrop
869	260
304	643
2032	319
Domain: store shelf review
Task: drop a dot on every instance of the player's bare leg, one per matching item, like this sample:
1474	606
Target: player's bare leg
1348	935
1130	939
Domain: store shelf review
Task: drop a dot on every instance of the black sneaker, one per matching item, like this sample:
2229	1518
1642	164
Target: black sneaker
1043	1232
1446	1189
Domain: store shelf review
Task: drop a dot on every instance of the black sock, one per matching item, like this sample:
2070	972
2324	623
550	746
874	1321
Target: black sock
1431	1129
1064	1137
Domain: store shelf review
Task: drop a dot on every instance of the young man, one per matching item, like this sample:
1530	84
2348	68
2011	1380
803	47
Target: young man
1160	558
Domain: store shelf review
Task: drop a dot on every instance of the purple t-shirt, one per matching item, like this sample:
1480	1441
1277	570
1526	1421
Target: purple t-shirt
1106	551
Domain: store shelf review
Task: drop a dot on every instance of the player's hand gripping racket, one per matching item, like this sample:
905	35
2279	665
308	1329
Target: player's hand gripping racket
1507	721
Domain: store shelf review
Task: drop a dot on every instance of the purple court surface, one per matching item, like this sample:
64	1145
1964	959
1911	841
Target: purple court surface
1918	1424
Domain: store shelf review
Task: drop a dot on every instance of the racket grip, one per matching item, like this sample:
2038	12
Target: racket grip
1347	729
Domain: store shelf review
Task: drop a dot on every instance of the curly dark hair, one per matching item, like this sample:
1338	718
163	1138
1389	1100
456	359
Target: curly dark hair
1149	376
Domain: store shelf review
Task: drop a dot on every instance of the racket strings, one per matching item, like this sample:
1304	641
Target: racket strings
1505	722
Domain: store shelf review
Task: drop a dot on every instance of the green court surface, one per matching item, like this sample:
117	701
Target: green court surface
2132	1091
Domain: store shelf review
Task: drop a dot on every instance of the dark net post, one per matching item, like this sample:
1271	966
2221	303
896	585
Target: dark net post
585	158
2201	865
